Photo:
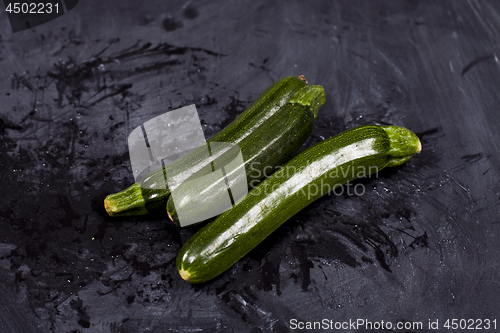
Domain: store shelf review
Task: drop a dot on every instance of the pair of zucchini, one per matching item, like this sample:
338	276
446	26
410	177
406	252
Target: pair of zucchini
268	133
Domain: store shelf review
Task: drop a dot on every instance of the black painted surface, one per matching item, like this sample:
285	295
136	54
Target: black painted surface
419	244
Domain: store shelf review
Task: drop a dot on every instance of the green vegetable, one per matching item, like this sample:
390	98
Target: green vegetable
151	194
308	176
271	145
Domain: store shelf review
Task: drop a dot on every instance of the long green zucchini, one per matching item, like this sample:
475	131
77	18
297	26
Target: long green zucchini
271	145
152	193
308	176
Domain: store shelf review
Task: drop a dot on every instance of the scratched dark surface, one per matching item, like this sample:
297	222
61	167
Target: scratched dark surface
421	243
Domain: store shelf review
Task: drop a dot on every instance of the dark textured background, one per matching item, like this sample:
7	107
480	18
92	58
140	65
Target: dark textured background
420	244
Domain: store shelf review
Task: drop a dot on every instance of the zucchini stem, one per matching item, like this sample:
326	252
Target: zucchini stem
404	143
127	202
312	96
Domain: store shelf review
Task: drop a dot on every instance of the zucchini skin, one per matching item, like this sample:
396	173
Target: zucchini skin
151	194
271	145
333	162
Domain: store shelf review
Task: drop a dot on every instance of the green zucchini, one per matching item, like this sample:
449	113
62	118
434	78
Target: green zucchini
309	175
271	145
152	193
